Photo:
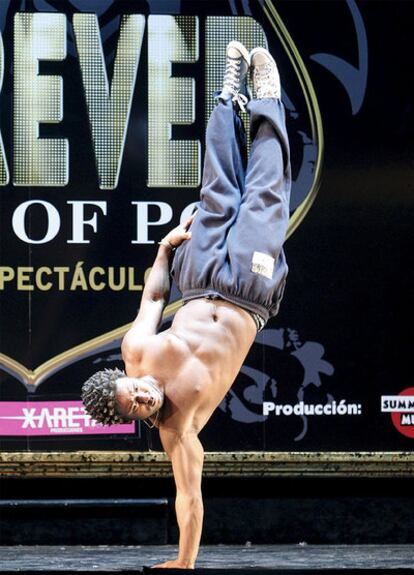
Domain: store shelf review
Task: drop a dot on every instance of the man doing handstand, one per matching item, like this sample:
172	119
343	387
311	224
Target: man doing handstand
231	270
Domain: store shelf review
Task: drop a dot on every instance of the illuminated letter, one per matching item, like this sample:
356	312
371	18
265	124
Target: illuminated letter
38	161
79	221
171	163
143	223
4	171
220	30
108	106
53	222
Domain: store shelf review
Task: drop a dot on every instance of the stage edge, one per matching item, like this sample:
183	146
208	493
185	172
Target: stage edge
217	464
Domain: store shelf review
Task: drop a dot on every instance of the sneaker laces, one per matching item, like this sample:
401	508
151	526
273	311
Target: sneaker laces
241	100
232	82
264	81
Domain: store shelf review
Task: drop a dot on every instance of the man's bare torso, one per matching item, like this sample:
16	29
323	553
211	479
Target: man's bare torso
197	359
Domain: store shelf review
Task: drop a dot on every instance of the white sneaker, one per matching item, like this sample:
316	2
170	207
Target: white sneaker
235	76
266	80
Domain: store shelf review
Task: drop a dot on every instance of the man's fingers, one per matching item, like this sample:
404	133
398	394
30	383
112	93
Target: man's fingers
189	221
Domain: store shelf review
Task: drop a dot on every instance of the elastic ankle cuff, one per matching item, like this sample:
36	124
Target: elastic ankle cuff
222	95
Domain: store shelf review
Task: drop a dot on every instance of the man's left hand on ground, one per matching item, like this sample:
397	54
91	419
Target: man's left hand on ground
175	564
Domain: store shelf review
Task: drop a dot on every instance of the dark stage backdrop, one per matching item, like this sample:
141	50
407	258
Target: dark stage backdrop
103	109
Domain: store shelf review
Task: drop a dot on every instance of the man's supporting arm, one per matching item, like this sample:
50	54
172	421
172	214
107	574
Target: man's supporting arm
187	457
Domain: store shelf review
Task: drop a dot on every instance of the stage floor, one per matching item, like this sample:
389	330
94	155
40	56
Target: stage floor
133	558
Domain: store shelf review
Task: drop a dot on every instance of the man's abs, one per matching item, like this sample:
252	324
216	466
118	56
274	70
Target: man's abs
217	333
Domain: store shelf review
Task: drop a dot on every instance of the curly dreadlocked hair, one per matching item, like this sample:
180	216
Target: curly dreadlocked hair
98	396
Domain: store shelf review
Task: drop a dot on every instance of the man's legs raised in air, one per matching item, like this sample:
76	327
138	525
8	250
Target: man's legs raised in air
256	239
199	260
237	236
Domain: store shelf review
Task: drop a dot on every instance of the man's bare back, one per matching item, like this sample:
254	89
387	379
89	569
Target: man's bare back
195	361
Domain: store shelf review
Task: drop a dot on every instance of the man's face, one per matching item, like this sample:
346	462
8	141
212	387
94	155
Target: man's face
137	398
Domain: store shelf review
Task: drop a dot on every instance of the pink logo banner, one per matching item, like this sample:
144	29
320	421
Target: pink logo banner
53	418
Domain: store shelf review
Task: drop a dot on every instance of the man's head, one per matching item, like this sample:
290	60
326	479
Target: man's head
138	397
110	397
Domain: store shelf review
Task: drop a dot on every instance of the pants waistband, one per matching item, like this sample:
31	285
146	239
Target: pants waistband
258	320
258	313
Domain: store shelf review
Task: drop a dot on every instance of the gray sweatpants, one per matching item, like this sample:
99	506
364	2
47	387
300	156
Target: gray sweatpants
235	251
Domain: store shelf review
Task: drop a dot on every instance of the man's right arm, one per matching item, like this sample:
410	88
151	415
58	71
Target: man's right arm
154	297
156	293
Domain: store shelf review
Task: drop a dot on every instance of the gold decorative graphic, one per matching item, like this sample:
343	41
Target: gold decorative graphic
312	107
34	377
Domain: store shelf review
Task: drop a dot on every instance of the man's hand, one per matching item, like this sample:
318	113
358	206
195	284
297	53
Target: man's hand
179	234
174	564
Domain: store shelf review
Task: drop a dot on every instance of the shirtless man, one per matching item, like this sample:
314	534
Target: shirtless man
231	270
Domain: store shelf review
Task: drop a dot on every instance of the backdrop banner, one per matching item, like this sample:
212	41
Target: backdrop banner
103	111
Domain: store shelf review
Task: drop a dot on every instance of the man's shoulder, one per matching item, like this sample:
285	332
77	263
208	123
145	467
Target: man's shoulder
135	344
164	341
